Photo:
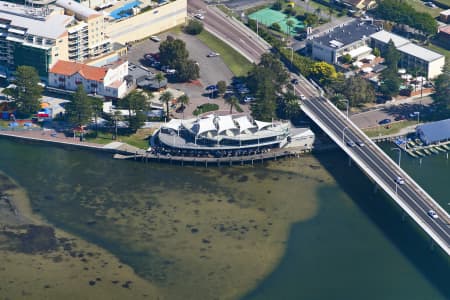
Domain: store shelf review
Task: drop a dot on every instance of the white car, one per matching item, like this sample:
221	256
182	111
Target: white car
302	97
433	214
213	54
248	99
399	180
155	38
199	16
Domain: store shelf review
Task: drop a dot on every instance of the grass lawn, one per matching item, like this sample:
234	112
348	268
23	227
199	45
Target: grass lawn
420	7
237	63
439	49
393	128
138	139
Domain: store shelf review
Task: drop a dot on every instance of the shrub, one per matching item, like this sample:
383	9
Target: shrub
205	108
194	27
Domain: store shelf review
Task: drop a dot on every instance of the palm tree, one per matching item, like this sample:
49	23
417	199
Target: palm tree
159	77
166	97
289	24
184	101
330	12
116	116
318	11
232	102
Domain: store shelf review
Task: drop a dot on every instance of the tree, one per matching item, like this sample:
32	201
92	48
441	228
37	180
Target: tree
346	58
232	102
134	101
79	111
376	52
289	24
311	19
183	100
277	5
358	90
442	87
28	91
194	27
323	72
165	98
390	83
117	115
97	108
159	77
172	52
221	87
187	70
275	26
392	56
137	120
330	13
288	106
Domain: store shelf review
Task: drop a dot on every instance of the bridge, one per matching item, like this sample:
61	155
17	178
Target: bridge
376	164
370	158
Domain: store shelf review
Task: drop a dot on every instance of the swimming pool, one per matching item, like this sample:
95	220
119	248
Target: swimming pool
124	11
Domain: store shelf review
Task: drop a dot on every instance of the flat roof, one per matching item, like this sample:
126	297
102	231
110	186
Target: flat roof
385	36
419	52
77	8
347	34
34	22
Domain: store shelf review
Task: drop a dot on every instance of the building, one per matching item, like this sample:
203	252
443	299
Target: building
105	81
444	16
40	36
359	4
352	39
413	57
228	133
435	132
86	35
444	35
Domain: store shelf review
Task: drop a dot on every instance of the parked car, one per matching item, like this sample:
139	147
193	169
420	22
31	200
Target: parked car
213	54
155	38
400	118
433	214
248	99
384	121
199	16
212	87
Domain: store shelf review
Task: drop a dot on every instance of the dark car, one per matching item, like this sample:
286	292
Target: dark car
211	87
400	118
384	121
294	81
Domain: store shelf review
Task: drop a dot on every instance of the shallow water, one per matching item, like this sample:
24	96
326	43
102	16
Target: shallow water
218	233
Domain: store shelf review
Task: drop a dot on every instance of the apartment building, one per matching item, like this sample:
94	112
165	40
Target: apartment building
39	36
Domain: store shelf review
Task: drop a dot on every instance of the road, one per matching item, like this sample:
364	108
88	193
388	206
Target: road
234	33
372	160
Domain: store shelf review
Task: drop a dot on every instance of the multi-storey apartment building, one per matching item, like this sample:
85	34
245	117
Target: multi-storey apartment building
40	36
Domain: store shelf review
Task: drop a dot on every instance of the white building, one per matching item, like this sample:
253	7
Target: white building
105	81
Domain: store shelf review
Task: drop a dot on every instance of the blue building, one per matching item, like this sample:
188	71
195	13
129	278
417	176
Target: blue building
435	132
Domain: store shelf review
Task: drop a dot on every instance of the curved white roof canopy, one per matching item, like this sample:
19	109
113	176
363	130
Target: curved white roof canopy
225	123
244	123
174	124
262	125
204	125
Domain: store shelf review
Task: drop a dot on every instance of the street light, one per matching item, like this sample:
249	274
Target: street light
343	134
417	113
292	53
399	154
347	102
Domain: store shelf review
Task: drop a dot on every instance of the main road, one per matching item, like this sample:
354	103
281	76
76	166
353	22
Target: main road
370	158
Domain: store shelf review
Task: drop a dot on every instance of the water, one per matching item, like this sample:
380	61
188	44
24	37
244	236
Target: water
295	229
124	11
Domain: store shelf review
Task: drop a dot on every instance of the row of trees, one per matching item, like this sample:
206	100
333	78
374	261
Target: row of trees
401	12
173	53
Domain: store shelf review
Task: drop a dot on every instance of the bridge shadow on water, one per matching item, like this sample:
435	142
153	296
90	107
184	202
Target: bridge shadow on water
401	232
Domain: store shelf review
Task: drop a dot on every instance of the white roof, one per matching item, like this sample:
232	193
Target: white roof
174	124
244	123
262	124
419	52
79	9
384	36
367	69
358	51
370	57
204	125
445	12
225	123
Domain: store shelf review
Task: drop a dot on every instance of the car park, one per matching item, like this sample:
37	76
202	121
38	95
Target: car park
384	121
213	54
199	16
399	180
155	38
433	214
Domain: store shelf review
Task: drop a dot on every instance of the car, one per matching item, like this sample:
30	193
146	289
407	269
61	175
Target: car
302	97
294	81
399	180
248	99
360	143
168	70
213	54
155	38
384	121
243	90
211	87
199	16
399	118
433	214
351	143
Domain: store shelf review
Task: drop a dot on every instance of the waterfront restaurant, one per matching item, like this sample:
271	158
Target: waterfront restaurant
224	134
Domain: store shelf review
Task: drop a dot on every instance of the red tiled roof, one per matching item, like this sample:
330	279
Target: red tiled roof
445	29
69	68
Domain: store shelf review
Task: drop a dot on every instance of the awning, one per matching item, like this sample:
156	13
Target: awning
174	124
225	123
204	125
243	123
262	125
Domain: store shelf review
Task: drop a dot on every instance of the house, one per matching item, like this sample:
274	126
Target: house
359	4
434	132
444	35
444	16
105	81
